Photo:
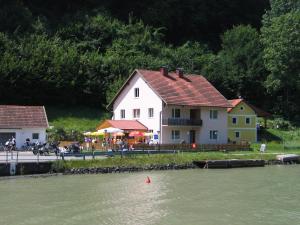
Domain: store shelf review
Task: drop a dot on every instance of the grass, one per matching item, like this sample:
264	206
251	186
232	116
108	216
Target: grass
164	159
75	118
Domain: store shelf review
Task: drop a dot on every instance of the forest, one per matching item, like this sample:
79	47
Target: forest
79	52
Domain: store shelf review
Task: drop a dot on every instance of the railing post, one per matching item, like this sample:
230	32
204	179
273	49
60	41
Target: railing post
6	157
17	156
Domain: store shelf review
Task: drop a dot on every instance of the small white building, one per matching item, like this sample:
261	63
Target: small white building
175	106
23	122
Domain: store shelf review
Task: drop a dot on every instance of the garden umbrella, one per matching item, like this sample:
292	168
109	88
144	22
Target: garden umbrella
136	134
119	134
96	133
110	130
87	133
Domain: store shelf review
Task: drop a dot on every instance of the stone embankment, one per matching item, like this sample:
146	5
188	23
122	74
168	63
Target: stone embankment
129	169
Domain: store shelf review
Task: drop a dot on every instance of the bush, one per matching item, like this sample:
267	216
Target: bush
281	124
60	134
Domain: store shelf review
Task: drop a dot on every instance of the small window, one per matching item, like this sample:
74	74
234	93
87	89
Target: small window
213	134
122	113
136	113
213	114
150	112
175	113
237	134
175	134
35	136
233	120
247	120
242	108
136	92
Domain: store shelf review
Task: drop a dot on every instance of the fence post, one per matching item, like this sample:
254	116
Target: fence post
17	156
83	156
6	157
38	156
93	154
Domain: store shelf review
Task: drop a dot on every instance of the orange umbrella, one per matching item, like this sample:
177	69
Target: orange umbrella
136	134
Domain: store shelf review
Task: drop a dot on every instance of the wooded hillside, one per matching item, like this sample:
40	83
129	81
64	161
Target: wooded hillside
79	52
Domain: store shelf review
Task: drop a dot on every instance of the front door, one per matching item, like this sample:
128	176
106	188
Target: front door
192	136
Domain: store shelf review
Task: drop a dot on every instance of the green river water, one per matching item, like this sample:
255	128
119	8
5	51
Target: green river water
269	195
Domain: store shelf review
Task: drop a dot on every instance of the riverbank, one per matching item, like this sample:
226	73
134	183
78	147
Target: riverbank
163	162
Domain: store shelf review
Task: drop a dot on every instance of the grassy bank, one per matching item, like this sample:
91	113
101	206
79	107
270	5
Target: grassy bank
162	159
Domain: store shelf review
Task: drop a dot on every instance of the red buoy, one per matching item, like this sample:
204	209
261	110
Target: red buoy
148	181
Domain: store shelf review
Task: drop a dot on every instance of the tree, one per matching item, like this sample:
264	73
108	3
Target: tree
238	68
281	41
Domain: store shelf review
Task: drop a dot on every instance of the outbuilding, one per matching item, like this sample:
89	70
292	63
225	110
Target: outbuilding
23	122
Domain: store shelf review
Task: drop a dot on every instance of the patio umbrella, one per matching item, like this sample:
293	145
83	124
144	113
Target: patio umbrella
87	133
148	134
110	130
96	133
136	134
119	134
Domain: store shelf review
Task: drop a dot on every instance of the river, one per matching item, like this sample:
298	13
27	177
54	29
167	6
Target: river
260	196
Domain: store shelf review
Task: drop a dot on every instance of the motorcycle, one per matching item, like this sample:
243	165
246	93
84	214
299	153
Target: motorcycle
39	148
53	147
10	145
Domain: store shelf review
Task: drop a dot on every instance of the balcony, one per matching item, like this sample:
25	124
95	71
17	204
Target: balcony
181	122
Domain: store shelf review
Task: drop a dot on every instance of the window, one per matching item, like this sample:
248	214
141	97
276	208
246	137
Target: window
136	92
175	113
237	134
136	113
242	108
233	120
247	120
35	136
150	112
213	134
175	134
122	112
213	114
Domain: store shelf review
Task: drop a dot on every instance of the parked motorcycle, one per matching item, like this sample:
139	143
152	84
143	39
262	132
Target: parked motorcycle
39	148
53	147
10	145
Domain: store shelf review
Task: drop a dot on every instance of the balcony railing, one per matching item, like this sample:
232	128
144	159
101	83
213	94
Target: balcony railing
181	122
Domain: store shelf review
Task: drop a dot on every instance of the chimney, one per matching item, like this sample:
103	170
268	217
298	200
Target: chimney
179	72
164	70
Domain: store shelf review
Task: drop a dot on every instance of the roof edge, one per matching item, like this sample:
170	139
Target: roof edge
108	107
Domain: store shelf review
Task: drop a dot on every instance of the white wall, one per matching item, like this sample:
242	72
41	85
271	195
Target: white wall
22	134
147	99
219	124
202	132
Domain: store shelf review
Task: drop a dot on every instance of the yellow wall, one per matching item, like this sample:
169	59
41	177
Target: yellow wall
247	131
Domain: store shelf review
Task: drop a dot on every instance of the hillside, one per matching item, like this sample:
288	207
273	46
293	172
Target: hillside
75	118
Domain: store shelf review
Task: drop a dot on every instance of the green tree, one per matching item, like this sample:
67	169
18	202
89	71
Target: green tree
238	68
281	41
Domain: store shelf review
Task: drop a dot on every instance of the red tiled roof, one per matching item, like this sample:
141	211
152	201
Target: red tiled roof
12	116
126	124
234	103
259	112
189	90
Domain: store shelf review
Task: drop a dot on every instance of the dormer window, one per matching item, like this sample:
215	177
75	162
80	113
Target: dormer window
136	92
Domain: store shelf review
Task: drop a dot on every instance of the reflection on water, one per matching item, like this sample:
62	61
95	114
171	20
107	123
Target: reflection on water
238	196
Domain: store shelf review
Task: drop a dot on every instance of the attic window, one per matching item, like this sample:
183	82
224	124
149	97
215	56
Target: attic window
242	108
136	92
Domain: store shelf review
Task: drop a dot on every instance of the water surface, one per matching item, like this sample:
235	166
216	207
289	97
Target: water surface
269	195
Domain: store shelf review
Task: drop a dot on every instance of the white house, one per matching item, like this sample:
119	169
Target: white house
23	122
175	106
